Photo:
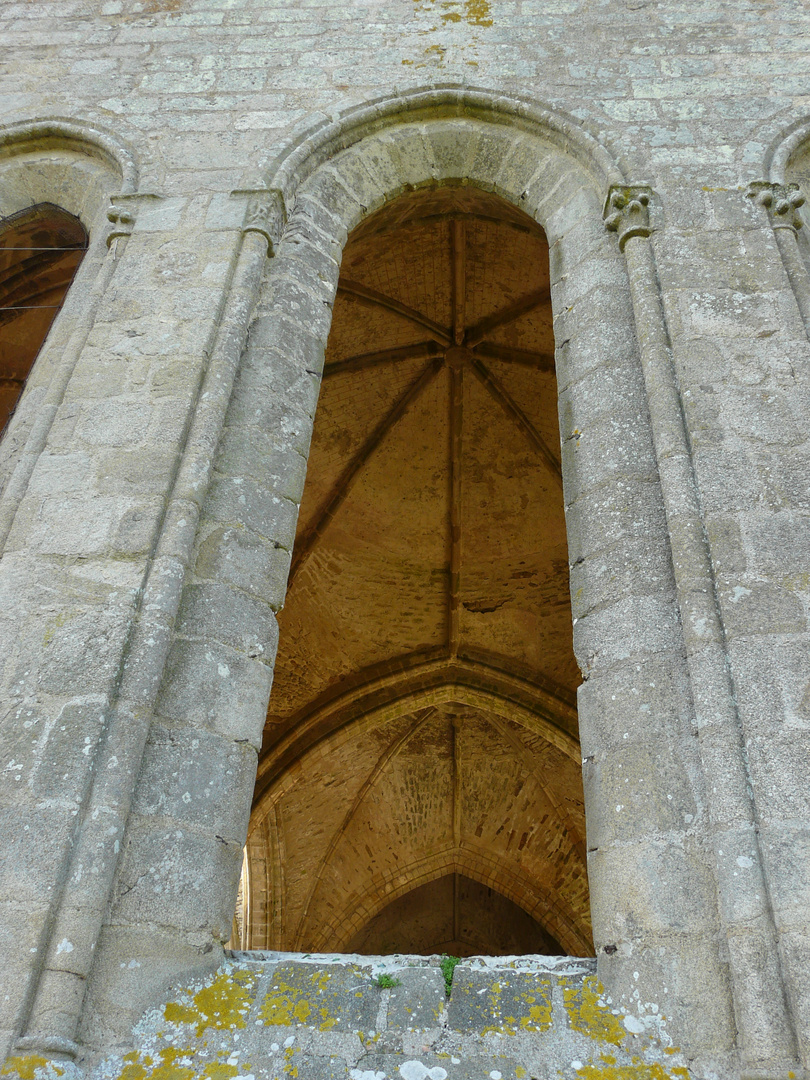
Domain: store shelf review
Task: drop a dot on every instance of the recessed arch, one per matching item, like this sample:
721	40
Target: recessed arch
63	135
617	531
453	915
318	144
361	907
77	168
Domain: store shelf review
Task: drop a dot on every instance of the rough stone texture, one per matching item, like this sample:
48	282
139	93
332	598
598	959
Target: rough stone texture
277	1015
150	480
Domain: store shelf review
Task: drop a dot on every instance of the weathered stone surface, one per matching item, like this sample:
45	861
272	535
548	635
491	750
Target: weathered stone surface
149	514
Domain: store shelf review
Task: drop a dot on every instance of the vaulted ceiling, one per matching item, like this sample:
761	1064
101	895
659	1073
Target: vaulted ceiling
422	725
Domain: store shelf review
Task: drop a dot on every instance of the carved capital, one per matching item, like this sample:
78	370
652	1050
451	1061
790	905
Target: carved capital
782	201
627	211
122	217
266	214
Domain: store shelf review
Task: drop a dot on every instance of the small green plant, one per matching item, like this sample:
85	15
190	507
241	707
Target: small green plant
386	982
448	966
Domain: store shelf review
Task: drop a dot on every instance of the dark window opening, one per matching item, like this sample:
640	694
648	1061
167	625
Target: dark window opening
40	251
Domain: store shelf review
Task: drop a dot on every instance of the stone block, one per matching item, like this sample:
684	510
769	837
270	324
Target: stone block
648	887
645	701
632	628
750	608
212	611
606	452
336	199
249	562
613	513
779	759
639	790
133	970
250	451
288	428
240	501
634	567
198	779
504	1002
36	839
785	850
417	1004
66	749
335	998
178	879
22	922
81	650
686	981
213	687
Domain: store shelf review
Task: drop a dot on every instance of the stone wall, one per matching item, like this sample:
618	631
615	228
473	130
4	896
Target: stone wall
278	1015
121	593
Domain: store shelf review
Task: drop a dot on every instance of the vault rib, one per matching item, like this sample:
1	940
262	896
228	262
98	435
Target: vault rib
378	299
458	258
510	406
524	357
456	451
346	480
478	332
387	755
420	351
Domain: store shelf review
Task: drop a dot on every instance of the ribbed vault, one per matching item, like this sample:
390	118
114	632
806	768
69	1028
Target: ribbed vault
421	739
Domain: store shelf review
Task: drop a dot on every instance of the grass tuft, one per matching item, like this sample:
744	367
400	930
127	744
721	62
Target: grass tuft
387	982
448	966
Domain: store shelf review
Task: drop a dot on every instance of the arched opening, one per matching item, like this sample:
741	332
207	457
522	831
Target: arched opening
455	915
40	251
420	784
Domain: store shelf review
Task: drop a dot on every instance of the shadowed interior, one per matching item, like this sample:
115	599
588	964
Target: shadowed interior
419	782
40	251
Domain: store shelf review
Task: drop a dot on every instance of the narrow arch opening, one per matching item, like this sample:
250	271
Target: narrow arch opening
41	249
421	739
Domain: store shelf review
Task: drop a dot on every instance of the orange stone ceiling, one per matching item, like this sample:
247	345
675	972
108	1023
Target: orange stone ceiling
421	739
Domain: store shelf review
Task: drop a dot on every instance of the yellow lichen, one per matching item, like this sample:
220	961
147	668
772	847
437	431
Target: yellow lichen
477	12
474	12
220	1071
587	1016
539	1018
25	1066
223	1004
286	1005
134	1068
638	1070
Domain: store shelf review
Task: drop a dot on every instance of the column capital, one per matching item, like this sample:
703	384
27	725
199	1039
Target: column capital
266	214
782	201
627	211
